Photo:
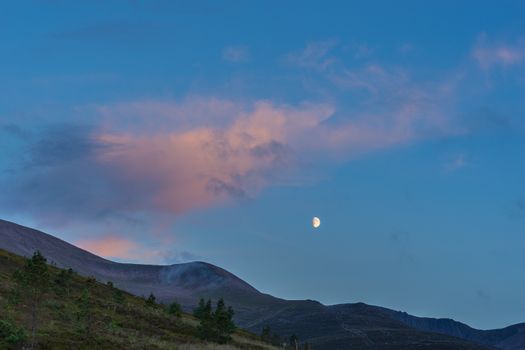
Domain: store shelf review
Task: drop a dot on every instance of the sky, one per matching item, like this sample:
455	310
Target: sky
171	131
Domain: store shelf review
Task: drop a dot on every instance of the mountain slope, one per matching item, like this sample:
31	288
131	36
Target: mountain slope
509	338
358	325
126	323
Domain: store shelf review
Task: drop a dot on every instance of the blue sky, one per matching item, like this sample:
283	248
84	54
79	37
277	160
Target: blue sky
168	131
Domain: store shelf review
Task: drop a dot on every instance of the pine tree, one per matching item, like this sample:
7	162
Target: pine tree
84	313
175	309
151	301
223	322
118	298
33	282
215	325
266	334
199	310
293	342
206	328
62	282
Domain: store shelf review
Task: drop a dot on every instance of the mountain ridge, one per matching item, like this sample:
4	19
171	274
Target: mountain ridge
337	326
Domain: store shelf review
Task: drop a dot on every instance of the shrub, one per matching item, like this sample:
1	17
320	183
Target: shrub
11	336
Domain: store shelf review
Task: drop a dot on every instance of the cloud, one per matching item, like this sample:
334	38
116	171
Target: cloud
173	156
112	32
405	48
63	143
521	205
363	51
177	257
12	129
459	161
236	54
482	294
111	247
389	106
194	168
492	54
314	55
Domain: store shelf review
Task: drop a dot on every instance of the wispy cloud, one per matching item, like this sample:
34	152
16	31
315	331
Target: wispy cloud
176	155
405	48
207	151
236	54
185	169
489	54
116	247
458	162
314	55
112	32
111	246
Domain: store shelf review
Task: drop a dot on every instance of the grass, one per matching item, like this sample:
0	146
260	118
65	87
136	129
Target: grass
130	325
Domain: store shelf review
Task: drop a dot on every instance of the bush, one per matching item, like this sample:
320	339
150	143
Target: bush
11	336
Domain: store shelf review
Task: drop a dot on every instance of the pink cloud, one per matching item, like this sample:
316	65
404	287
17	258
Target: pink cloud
178	155
182	170
176	169
489	55
110	247
115	247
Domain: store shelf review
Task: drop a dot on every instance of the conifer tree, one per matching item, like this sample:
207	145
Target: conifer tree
151	301
223	322
215	325
84	313
175	309
206	328
266	334
62	282
33	282
118	297
293	342
199	310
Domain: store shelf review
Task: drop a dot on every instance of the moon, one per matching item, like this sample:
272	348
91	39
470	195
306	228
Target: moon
316	222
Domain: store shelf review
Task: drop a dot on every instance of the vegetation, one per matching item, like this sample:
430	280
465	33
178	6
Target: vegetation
269	337
215	325
43	307
11	336
32	283
151	301
174	309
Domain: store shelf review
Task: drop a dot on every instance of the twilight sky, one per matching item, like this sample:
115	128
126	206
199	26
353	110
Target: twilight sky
169	131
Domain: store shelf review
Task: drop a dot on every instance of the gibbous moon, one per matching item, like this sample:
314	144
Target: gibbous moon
316	222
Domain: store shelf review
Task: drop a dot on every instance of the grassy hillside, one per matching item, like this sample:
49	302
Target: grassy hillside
85	314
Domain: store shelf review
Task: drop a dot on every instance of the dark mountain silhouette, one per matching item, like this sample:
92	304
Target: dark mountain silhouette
355	326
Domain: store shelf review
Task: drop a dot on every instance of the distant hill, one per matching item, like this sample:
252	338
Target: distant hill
345	326
130	324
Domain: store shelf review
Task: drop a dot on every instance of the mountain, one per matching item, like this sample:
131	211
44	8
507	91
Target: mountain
112	320
345	326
